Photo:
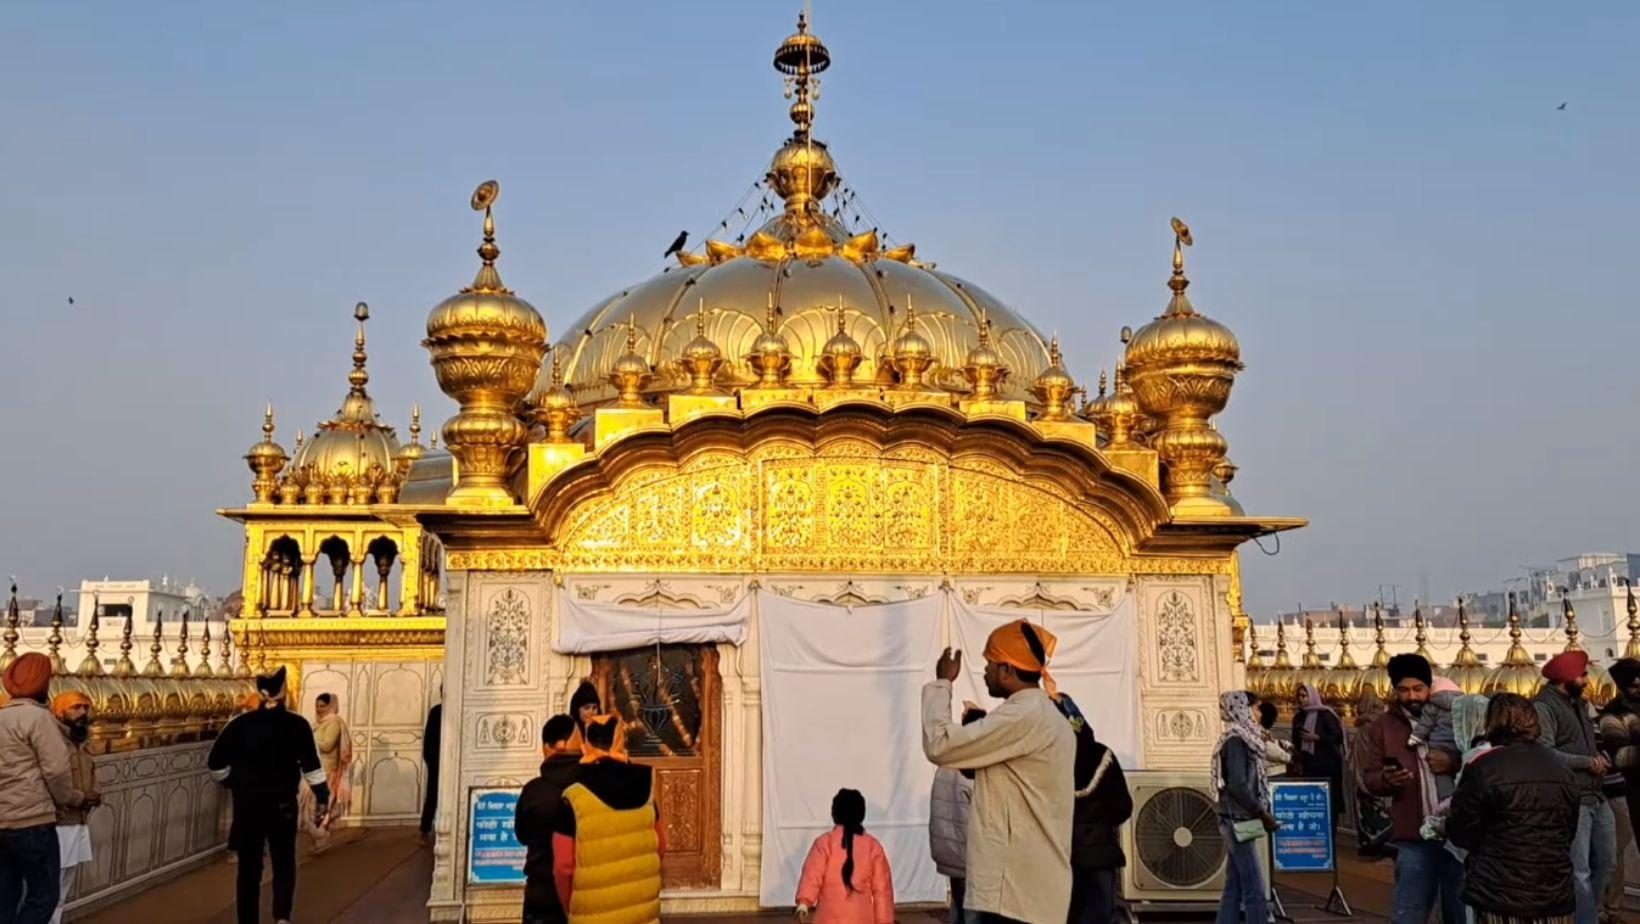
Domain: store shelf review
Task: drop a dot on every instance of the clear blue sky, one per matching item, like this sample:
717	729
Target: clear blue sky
1421	256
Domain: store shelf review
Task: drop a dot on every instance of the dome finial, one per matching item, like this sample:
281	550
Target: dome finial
985	369
266	459
1633	648
415	424
1054	387
1178	283
488	278
359	376
631	372
799	58
701	357
770	356
913	354
841	355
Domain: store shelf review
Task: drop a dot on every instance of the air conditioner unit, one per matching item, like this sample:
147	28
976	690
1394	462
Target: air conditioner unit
1175	851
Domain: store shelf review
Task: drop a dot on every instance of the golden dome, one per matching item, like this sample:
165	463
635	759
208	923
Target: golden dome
266	453
912	354
1517	673
1466	669
1376	676
1180	334
352	454
630	373
1343	683
1279	682
985	369
1311	672
805	260
412	452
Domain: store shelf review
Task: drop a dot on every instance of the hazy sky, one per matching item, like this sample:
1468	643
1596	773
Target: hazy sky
1421	256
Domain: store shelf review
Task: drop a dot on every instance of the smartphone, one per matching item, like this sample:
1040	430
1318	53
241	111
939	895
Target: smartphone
1392	763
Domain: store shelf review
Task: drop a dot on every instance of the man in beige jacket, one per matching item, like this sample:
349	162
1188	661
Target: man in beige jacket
35	778
1024	755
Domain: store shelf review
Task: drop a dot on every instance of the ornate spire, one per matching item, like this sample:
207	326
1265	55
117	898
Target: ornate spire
243	671
11	634
1466	655
154	668
1346	661
1517	655
125	667
204	668
265	460
179	662
1420	635
1569	617
1180	305
1633	648
488	279
225	663
91	666
800	57
1255	661
359	376
1283	662
1380	654
1311	661
54	642
984	369
555	409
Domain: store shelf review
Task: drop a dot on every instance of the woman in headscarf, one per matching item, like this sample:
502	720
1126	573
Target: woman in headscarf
1318	744
1244	799
335	743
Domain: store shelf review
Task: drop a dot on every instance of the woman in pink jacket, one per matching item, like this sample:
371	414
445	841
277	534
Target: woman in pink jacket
846	875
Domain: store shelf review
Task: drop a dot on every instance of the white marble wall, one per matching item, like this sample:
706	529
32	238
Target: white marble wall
385	704
503	680
161	815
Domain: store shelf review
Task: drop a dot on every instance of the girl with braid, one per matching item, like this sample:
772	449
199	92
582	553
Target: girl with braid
846	876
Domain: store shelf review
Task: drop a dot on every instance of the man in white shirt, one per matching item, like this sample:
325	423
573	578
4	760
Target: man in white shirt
1024	755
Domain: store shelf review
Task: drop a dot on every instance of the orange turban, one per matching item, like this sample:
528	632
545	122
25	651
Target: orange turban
1011	645
29	676
617	750
62	702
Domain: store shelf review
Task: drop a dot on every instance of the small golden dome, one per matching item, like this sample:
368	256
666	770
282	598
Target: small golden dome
631	372
412	452
912	354
1343	684
1466	669
352	454
841	354
266	459
1181	334
1279	680
1517	673
487	308
1054	387
701	358
769	356
1117	415
555	408
985	369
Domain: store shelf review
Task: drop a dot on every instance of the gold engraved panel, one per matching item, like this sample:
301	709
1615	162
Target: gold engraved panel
845	505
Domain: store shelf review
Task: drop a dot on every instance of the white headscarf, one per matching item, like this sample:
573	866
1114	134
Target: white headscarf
1237	714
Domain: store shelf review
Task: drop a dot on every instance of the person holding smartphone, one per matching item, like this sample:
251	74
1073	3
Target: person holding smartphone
1388	767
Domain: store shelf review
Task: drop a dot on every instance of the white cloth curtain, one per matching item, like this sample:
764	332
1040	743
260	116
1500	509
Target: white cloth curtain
585	628
1096	663
841	704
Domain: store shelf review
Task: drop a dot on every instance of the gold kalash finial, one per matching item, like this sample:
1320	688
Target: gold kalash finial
801	57
11	634
91	666
1633	648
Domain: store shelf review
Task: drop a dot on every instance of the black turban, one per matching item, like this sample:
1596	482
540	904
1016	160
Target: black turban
1403	666
272	685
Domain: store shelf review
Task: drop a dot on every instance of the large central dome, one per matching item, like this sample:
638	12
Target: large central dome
810	261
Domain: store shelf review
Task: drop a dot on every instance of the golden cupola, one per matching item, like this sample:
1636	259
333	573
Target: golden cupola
350	459
486	346
266	459
555	408
803	240
630	373
1517	673
912	353
842	353
985	369
1182	366
702	358
1376	676
1054	388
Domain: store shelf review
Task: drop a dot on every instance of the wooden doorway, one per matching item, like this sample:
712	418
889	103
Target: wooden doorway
673	712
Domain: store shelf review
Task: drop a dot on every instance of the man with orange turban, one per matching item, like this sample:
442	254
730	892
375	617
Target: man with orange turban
1024	757
36	777
73	711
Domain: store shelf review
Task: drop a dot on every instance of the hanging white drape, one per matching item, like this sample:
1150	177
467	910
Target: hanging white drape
1096	663
585	628
841	710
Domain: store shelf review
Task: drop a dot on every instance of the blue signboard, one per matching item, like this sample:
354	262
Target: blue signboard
495	857
1304	844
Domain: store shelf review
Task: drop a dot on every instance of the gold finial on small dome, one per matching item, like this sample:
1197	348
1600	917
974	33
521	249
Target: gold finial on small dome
770	356
1632	650
203	669
1601	688
1419	635
555	408
631	372
225	665
125	667
412	452
799	58
11	635
913	355
360	376
702	358
985	369
1054	387
54	642
266	459
91	666
179	661
154	668
1376	676
486	346
1255	661
802	171
1182	366
841	354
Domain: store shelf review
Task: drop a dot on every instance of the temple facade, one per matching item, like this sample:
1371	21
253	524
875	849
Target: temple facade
803	414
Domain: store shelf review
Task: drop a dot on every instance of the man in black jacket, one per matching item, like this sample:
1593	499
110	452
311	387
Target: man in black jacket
262	756
537	815
1103	804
